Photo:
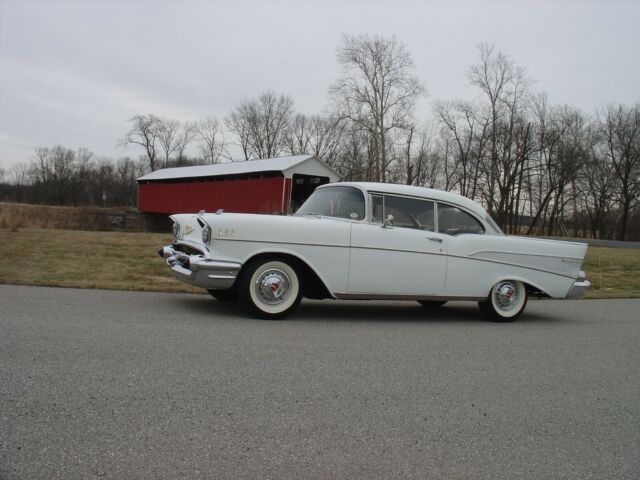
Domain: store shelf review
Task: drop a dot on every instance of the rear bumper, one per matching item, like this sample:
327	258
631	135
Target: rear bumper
200	271
578	289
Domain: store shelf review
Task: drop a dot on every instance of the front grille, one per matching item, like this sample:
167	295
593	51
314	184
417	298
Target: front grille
188	249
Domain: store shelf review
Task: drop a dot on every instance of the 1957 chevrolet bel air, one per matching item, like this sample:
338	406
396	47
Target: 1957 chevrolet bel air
371	241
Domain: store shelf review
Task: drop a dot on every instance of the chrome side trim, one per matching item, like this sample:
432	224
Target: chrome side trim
514	263
502	252
275	242
377	296
225	239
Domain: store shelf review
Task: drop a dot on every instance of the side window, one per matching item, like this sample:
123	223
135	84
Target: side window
407	212
453	221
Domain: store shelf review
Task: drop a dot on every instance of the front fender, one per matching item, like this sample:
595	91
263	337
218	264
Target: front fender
290	253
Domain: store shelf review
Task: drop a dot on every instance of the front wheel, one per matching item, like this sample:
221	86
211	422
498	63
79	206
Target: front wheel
505	302
270	288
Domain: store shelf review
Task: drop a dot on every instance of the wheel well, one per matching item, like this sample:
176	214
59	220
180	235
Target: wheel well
534	291
314	287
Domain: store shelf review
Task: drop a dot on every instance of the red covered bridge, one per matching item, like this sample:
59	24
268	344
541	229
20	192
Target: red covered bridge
273	185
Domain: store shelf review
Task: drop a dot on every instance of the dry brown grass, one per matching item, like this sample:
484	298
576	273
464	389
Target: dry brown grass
67	258
129	261
15	216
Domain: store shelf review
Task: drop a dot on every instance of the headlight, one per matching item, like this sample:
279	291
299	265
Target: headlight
176	229
206	234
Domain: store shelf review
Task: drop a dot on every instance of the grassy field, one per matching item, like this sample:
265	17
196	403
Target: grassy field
613	272
129	261
17	216
69	258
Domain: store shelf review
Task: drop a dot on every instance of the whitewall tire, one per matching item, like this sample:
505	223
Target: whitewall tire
270	288
505	302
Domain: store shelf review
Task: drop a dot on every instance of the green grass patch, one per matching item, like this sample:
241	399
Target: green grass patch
129	261
613	272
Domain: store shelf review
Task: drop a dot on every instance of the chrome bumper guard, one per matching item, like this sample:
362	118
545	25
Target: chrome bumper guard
200	271
578	289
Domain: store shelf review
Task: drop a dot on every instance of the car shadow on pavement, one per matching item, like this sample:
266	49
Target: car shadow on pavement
359	311
467	312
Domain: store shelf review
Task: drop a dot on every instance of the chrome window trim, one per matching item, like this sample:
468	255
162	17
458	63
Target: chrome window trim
412	197
370	215
369	194
436	227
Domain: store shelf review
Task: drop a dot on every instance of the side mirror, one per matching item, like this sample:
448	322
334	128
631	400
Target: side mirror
388	221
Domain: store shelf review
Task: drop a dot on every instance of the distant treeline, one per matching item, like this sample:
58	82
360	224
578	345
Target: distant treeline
538	168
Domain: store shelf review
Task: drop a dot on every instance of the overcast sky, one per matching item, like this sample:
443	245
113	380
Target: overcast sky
74	72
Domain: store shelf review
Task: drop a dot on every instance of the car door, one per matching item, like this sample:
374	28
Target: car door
468	274
405	257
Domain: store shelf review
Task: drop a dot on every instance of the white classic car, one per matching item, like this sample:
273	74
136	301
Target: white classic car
371	241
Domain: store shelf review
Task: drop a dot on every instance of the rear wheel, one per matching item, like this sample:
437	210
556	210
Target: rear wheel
432	303
270	288
227	295
505	302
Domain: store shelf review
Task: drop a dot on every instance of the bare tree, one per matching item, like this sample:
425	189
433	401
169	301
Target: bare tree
77	183
600	189
468	128
52	170
19	174
548	132
211	137
351	162
145	132
168	132
261	125
504	87
421	164
316	135
186	135
376	90
620	130
567	162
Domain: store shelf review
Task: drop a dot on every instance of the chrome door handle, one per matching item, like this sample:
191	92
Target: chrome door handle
435	239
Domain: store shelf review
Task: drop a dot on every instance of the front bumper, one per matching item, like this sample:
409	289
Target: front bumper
578	289
200	271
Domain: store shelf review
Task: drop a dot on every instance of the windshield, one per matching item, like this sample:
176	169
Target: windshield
340	202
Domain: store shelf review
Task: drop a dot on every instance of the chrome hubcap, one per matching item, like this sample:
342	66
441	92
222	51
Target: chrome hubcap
273	286
506	296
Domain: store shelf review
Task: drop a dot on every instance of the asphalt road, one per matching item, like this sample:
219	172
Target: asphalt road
99	384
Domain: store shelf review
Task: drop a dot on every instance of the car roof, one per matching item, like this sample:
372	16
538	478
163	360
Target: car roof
413	191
